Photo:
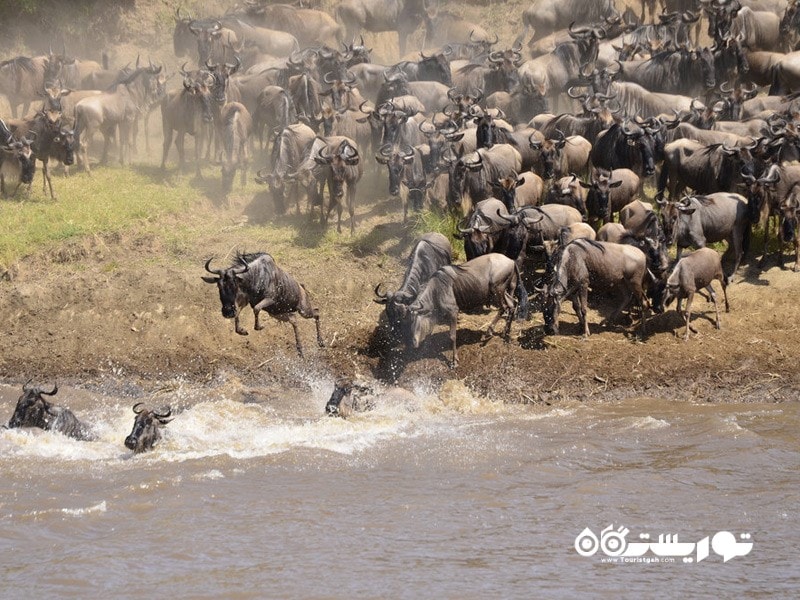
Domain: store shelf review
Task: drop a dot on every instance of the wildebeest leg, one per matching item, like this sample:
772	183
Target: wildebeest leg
351	207
46	172
766	243
581	308
165	148
308	312
796	252
179	141
291	318
688	315
3	185
453	331
237	324
626	300
713	295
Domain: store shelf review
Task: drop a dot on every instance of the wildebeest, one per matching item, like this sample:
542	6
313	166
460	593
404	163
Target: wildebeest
186	111
701	220
256	280
23	78
288	153
547	16
431	252
603	265
402	16
487	280
341	162
609	192
236	127
691	273
146	428
355	396
34	411
569	192
705	169
50	140
517	191
472	175
765	196
311	27
405	167
349	397
627	145
114	110
17	161
683	71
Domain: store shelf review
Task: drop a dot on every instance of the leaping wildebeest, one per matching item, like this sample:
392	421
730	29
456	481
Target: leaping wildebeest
146	428
34	411
256	280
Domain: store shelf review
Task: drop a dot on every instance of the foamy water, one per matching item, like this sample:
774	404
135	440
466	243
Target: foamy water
445	495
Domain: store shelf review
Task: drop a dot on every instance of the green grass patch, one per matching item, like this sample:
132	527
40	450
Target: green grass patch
111	200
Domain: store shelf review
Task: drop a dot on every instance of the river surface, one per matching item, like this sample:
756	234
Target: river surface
449	496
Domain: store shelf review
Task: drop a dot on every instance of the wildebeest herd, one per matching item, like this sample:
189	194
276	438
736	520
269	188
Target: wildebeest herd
546	148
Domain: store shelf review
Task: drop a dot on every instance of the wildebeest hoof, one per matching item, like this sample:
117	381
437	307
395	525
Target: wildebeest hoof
259	327
242	332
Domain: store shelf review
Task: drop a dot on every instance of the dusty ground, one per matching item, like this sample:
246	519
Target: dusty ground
127	304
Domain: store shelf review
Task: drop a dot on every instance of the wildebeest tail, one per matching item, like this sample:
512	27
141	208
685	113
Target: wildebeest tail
523	305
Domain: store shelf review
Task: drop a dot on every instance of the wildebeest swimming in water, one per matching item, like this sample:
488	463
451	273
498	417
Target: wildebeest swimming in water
146	428
350	397
34	411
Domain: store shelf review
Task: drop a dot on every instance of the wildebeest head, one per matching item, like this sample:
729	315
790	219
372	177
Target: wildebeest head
505	189
21	152
146	428
221	74
550	153
597	199
340	88
32	410
394	85
641	137
227	281
183	40
198	90
396	306
65	145
395	160
360	395
345	155
434	68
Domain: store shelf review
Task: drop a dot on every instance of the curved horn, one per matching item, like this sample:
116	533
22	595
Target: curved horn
164	415
210	270
325	77
51	392
383	296
135	406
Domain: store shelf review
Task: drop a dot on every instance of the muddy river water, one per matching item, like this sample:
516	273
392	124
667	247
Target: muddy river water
450	496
